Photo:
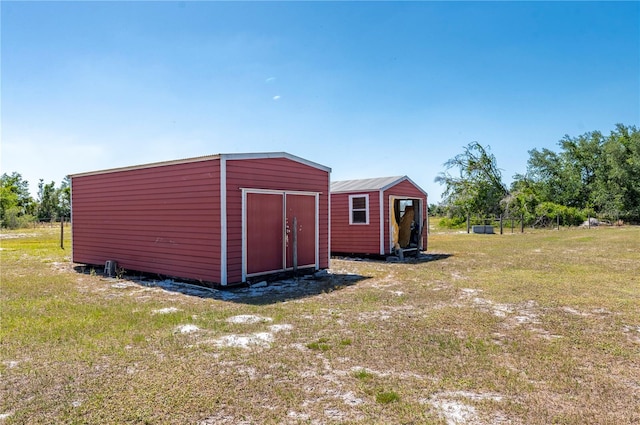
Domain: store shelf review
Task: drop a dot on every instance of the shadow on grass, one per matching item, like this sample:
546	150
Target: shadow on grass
292	288
270	290
421	258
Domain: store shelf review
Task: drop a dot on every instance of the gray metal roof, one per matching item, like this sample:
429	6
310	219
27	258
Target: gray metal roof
226	156
365	185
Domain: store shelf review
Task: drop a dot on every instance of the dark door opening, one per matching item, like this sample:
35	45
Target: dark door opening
408	216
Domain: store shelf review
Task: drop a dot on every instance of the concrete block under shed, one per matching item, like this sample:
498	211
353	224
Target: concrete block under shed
487	229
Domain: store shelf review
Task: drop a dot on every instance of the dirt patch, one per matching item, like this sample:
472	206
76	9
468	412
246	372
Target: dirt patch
167	310
16	235
279	328
253	340
187	329
222	418
455	408
258	339
513	315
248	318
632	332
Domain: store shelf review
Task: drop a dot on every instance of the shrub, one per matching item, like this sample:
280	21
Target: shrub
548	212
13	219
455	222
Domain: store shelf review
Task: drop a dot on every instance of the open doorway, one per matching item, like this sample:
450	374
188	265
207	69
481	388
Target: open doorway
407	225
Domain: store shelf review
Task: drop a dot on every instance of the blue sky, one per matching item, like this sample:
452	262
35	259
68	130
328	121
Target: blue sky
369	89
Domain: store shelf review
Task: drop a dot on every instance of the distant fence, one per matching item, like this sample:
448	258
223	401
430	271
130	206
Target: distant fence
60	222
508	223
38	224
30	222
495	224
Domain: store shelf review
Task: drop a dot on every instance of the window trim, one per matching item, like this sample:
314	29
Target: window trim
365	209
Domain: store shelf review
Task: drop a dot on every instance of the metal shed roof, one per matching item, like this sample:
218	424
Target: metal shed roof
363	185
226	156
368	185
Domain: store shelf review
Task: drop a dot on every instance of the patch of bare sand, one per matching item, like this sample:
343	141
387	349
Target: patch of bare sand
526	313
248	319
252	340
456	407
632	332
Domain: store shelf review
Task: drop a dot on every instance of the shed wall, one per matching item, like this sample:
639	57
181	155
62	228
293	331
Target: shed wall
271	174
408	190
163	219
355	238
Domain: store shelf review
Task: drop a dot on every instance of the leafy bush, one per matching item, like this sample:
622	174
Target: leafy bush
548	212
13	219
454	222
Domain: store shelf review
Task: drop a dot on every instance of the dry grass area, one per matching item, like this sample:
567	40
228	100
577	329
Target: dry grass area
534	328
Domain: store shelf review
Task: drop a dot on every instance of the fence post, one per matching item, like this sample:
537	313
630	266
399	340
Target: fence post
500	223
468	221
62	232
522	223
558	221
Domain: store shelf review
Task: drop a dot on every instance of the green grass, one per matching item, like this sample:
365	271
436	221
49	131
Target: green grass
321	344
534	328
363	375
385	397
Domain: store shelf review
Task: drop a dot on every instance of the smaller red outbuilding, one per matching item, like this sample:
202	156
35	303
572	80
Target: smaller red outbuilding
378	216
221	218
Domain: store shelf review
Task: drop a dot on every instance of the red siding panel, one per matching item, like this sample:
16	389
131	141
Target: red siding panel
162	219
271	174
355	238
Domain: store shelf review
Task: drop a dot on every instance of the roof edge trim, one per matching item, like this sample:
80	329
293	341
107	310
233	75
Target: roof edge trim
227	156
264	155
148	165
383	188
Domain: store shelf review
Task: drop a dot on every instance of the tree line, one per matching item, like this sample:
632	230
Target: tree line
590	175
19	209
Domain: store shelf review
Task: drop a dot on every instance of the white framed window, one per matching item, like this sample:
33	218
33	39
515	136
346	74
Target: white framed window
358	209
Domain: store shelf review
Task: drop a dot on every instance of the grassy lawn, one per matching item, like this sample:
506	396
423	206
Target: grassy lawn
534	328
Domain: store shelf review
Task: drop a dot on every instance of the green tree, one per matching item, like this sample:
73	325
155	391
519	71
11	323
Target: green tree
436	210
590	172
64	198
477	187
557	178
523	198
617	187
48	201
14	196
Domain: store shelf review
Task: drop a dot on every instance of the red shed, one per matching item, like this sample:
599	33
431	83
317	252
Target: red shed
221	218
378	216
